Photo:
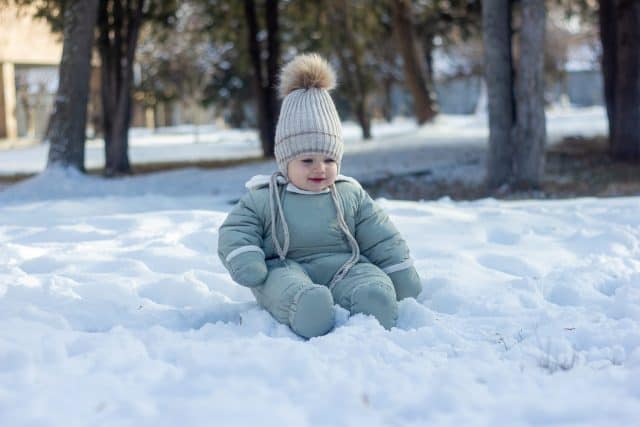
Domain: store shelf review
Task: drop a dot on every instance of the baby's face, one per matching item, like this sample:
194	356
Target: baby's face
312	172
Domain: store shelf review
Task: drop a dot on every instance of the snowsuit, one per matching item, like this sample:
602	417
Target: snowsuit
300	289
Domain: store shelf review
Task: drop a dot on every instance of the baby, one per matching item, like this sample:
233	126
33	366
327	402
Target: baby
307	238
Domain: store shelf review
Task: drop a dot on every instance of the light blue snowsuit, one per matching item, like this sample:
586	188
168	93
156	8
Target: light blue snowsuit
314	262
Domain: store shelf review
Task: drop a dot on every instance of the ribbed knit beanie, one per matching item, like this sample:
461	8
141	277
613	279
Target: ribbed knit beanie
308	122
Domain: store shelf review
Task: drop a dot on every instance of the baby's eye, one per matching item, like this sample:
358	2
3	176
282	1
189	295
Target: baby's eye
328	160
307	161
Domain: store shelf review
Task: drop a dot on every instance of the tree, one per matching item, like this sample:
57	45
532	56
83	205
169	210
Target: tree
202	56
265	62
119	26
608	31
119	23
424	104
620	35
349	47
530	131
66	133
247	36
496	18
516	99
445	22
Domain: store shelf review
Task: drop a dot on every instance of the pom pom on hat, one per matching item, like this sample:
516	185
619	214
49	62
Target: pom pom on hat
304	72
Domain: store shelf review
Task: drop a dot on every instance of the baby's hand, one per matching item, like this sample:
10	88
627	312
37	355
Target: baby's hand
248	269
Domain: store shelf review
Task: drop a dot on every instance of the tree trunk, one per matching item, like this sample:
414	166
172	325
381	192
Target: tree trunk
119	29
530	130
68	122
350	56
264	80
273	72
427	49
424	106
496	18
609	58
387	100
625	140
358	96
364	119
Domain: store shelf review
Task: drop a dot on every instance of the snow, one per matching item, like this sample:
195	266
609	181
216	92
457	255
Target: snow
192	143
114	309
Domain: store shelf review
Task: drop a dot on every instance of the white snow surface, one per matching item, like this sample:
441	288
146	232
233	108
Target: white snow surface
115	311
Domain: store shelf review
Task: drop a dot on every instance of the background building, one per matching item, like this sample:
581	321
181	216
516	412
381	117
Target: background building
29	57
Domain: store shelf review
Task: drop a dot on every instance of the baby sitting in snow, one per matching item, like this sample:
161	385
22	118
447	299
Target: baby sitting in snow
306	238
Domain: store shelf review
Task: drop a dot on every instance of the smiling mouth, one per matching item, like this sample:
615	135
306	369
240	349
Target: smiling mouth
316	179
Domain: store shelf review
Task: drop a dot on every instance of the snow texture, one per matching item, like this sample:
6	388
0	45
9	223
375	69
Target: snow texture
115	311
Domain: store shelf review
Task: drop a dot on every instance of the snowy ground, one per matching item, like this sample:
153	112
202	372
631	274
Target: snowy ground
115	311
449	139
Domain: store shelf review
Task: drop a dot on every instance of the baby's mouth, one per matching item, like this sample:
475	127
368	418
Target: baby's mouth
316	179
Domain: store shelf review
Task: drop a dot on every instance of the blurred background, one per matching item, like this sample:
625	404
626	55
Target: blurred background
95	69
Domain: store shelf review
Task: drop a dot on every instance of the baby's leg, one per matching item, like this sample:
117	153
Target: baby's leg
367	289
293	299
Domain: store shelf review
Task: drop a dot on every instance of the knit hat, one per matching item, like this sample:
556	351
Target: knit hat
308	122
